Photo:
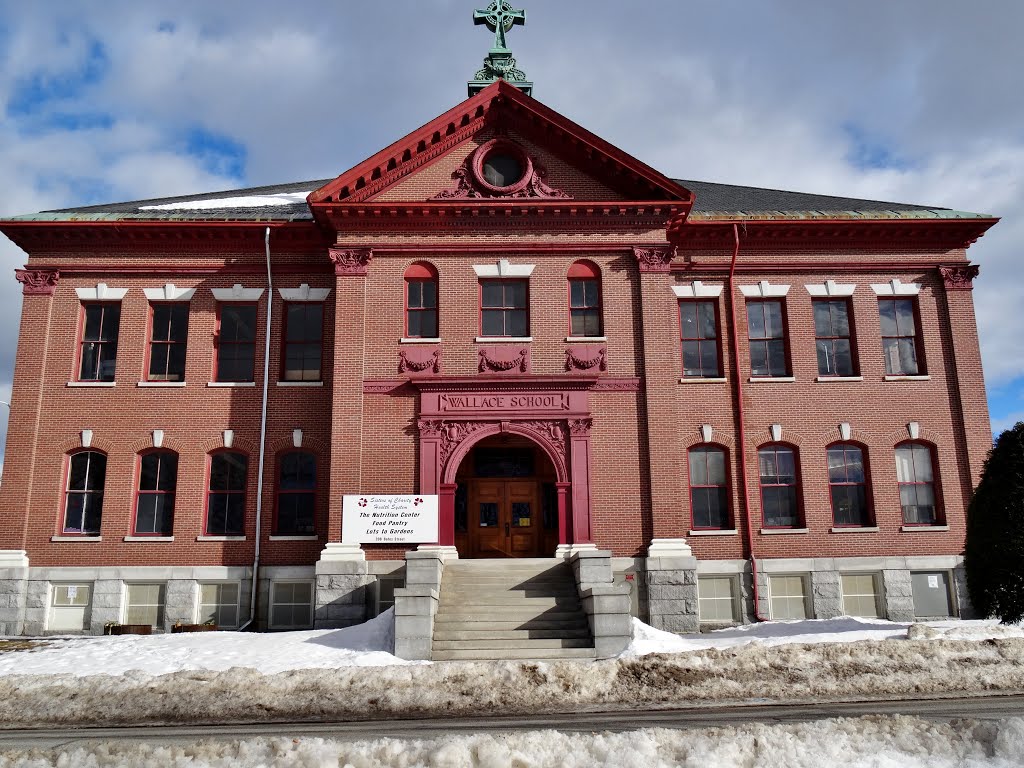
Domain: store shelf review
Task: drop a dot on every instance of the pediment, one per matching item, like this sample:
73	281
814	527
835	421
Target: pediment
450	160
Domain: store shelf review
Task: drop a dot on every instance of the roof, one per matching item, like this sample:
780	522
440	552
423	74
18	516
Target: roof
285	202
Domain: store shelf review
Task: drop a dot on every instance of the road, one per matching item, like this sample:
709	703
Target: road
981	708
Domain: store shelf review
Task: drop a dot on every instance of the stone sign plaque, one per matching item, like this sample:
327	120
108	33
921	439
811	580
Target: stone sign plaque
410	519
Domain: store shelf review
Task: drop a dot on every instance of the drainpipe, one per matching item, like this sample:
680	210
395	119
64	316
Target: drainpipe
741	427
263	441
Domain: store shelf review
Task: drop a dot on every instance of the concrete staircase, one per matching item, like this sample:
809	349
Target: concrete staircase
510	609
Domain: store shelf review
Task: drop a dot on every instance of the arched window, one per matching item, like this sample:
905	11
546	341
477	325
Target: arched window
154	502
780	503
225	496
847	485
709	493
296	495
585	300
916	475
421	301
83	501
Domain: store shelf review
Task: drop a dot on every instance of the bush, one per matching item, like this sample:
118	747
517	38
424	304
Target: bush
994	556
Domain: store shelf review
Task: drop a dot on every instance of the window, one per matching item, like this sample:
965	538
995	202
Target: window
218	604
585	300
503	308
788	597
225	498
699	329
303	341
154	504
778	487
83	503
236	342
421	302
899	336
69	608
291	605
144	604
847	485
860	595
296	495
917	484
767	338
832	338
716	599
709	499
168	341
100	322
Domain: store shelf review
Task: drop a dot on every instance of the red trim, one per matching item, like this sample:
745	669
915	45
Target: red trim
502	146
869	506
82	341
728	489
767	339
63	518
584	272
285	342
209	490
422	272
940	513
139	493
919	353
217	343
525	307
852	338
279	492
95	268
717	340
150	327
775	448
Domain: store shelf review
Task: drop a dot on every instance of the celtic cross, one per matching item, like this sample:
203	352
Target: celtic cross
500	17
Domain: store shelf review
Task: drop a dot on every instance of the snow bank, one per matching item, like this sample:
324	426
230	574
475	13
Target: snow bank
367	645
880	742
802	672
249	201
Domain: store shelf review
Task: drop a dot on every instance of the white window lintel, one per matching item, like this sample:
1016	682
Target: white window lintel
697	290
764	290
304	293
831	288
504	268
169	292
896	288
237	293
101	292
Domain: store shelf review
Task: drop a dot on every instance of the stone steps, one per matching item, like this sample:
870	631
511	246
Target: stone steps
510	609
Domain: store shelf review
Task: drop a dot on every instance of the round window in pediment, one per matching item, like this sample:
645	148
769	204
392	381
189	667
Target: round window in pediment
501	167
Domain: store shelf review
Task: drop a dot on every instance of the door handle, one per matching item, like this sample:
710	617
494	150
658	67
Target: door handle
506	529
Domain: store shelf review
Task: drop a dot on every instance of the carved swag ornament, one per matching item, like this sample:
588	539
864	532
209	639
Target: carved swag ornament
501	365
407	362
470	183
574	362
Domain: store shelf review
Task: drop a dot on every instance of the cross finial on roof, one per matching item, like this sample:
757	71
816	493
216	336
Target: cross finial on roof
500	17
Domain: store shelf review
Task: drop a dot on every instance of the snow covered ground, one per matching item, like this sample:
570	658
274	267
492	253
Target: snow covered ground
898	742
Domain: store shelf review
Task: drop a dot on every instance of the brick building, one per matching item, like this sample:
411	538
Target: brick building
759	402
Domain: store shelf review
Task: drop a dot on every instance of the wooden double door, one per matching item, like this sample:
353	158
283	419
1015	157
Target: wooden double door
504	518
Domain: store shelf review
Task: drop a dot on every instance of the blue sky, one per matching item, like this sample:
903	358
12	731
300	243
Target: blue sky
915	101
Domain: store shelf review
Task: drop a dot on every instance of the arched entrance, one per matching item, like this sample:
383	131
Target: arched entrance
506	500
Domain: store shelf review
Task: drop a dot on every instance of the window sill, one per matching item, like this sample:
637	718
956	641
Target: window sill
908	378
700	380
162	384
294	538
771	379
65	539
855	529
830	379
311	384
586	339
161	539
417	340
220	538
503	339
924	528
781	531
230	384
723	532
93	384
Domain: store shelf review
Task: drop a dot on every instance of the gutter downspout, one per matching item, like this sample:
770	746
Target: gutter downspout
741	425
263	442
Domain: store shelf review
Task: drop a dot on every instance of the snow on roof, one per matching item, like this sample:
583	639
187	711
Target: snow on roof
249	201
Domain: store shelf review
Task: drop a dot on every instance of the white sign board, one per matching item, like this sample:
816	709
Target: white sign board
389	520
